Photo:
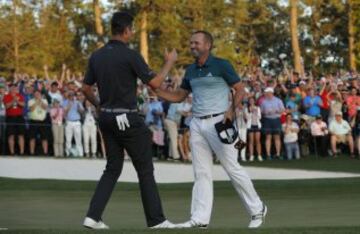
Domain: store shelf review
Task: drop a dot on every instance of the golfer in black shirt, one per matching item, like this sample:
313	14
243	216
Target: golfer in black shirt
115	69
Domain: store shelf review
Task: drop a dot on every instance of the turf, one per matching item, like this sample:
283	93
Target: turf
340	164
301	206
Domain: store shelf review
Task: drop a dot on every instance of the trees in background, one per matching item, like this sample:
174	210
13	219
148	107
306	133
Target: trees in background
324	34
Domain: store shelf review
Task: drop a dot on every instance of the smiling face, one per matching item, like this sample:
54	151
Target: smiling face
199	46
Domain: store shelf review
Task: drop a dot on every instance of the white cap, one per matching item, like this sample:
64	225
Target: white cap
302	82
323	79
269	90
339	113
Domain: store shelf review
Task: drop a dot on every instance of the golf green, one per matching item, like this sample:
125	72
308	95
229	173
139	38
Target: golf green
297	206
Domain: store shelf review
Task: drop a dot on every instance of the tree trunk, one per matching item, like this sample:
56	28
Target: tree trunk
144	48
15	38
294	36
98	23
352	60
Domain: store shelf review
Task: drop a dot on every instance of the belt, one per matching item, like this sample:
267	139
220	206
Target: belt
118	110
73	120
210	116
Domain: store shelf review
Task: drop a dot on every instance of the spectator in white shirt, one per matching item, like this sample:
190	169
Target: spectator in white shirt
291	130
341	133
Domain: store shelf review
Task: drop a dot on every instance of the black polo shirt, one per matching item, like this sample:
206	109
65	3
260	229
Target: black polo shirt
115	69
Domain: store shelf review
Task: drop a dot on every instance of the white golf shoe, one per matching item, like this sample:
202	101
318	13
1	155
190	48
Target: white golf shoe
258	219
192	224
165	224
92	224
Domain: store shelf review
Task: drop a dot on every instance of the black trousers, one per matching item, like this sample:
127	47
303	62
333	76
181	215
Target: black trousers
137	142
321	145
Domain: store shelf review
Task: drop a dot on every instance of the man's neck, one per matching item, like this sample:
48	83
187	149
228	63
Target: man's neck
119	38
202	59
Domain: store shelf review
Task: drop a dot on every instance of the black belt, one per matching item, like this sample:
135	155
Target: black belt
118	110
210	116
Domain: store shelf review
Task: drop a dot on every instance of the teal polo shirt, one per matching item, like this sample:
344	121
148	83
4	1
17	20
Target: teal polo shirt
210	85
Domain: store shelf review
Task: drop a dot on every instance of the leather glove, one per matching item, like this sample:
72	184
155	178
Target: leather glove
122	122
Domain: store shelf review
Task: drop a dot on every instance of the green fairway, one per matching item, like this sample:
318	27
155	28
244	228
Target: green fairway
341	164
300	206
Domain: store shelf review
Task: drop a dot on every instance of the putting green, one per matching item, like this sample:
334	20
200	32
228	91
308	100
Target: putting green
49	206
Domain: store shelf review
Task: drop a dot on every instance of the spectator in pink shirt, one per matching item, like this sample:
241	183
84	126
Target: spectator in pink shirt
320	133
57	116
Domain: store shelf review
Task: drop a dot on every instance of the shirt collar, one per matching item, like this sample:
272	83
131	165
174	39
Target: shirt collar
207	63
116	42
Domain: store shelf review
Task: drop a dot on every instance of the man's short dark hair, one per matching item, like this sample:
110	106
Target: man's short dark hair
208	37
55	83
120	21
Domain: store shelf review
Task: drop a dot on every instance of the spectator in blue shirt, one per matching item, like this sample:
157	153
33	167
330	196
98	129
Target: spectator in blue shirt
312	103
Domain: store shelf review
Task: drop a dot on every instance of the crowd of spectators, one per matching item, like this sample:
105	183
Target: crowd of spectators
289	115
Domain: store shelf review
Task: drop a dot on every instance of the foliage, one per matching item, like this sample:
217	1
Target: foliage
249	32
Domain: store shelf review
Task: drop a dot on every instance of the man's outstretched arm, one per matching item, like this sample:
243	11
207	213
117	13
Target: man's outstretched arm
178	95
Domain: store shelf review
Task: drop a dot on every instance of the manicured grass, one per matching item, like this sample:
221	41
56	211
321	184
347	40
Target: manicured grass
340	164
301	206
316	230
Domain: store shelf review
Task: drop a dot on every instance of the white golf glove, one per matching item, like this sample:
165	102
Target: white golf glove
122	122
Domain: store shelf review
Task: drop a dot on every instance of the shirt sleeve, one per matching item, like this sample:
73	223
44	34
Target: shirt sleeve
141	69
185	84
90	77
229	74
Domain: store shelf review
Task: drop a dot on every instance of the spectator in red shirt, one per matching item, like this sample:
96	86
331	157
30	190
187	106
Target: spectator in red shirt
14	104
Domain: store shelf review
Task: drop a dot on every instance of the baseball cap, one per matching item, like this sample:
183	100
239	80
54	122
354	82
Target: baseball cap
339	113
302	82
269	90
226	132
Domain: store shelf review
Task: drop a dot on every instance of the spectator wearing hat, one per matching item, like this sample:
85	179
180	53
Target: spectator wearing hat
14	103
291	130
341	133
37	117
319	132
57	117
271	109
302	89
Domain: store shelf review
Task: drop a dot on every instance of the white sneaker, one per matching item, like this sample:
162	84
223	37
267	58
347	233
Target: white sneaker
92	224
259	158
192	224
258	219
165	224
251	159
